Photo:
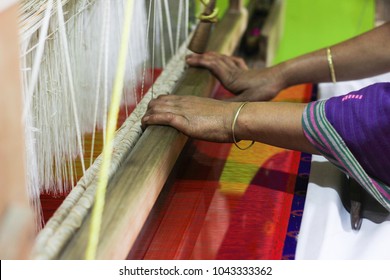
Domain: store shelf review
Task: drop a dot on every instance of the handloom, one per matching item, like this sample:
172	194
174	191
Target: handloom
156	150
259	179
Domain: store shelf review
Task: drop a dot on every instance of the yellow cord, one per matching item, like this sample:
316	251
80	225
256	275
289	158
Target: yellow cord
213	17
97	212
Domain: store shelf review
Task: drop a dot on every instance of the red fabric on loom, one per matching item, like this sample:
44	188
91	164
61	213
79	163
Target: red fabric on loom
194	219
200	214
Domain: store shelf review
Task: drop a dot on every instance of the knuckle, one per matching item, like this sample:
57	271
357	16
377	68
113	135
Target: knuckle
150	106
213	63
170	118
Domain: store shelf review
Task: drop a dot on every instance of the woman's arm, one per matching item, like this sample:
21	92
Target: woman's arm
360	57
363	56
274	123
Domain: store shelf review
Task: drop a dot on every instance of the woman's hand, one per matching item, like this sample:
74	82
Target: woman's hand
234	75
196	117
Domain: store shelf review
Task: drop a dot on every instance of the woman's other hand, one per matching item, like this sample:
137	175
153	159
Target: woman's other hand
233	73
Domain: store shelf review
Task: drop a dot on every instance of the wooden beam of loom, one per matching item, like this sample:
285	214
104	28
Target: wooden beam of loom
135	187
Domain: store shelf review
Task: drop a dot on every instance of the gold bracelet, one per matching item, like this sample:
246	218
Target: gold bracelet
331	66
234	124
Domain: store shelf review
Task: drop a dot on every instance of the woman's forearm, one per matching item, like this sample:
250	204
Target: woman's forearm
360	57
274	123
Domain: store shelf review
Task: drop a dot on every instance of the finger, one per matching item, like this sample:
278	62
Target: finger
174	120
196	58
229	61
162	100
215	62
165	98
200	60
240	63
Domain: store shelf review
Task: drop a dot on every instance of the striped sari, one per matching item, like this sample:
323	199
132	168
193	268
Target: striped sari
353	132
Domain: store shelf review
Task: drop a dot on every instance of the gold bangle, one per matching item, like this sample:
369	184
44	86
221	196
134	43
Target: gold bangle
331	66
234	124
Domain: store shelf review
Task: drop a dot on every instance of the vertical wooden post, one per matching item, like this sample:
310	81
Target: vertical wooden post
16	219
201	36
235	5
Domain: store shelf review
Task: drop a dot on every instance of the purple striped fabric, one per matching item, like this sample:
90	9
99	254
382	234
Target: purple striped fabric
351	131
362	119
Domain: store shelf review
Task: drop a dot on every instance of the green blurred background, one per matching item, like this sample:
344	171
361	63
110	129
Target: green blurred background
314	24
